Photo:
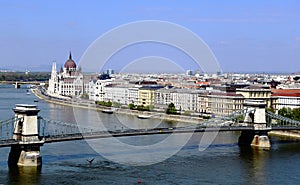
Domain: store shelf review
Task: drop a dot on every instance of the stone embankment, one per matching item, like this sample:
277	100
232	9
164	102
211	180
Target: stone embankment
290	133
87	104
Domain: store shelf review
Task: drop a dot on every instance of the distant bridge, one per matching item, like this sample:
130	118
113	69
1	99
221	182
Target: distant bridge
18	84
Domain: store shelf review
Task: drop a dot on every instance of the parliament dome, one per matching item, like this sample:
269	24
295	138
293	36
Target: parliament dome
70	63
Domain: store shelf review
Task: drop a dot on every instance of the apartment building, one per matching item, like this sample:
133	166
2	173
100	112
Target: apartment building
147	94
256	93
288	98
185	99
116	93
97	88
219	103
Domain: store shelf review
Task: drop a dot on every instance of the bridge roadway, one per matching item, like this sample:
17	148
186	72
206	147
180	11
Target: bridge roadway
126	133
155	131
139	132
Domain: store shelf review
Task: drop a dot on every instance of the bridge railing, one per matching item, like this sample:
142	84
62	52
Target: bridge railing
54	128
7	128
275	120
229	120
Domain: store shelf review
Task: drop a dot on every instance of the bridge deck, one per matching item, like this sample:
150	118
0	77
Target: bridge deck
126	133
8	142
95	135
140	132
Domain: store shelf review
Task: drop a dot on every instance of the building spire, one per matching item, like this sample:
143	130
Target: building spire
53	72
70	56
54	67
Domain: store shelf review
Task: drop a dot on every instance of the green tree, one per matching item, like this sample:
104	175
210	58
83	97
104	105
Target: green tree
171	109
270	110
239	119
140	107
103	103
282	111
131	106
290	113
84	96
116	104
296	114
187	112
286	112
109	103
149	107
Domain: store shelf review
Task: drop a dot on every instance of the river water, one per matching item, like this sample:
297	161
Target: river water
223	162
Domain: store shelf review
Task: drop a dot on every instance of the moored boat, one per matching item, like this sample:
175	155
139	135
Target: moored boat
141	116
107	111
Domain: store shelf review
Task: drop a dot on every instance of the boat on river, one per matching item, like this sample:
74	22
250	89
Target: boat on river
142	116
107	111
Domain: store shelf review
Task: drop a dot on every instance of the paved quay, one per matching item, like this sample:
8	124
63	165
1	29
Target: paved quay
88	104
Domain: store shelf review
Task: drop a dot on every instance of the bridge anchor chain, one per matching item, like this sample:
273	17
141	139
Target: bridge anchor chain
26	131
255	117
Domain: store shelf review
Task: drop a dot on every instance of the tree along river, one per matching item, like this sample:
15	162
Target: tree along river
223	162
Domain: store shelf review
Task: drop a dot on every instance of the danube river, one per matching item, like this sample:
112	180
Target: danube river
223	162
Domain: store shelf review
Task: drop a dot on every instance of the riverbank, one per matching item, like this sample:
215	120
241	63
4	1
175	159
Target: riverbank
87	104
291	133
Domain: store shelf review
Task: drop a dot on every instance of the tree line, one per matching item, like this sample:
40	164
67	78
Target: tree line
25	77
290	113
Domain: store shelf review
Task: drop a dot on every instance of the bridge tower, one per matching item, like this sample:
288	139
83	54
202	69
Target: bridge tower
256	118
26	131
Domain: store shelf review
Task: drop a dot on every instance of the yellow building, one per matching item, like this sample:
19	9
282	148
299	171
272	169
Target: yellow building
257	93
147	95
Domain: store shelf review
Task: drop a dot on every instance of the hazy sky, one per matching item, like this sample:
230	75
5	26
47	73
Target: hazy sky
245	36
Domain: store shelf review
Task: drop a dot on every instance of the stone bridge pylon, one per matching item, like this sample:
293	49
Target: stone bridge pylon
26	132
256	118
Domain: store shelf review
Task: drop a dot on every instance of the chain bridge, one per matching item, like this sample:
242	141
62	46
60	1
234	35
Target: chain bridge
27	131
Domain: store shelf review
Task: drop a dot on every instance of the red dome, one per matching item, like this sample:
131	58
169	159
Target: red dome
70	63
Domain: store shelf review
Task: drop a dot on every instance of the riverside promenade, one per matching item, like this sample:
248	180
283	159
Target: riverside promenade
89	104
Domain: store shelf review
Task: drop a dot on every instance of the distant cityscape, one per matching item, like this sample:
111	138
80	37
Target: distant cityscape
191	93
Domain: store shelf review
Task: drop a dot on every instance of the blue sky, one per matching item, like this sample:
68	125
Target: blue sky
262	36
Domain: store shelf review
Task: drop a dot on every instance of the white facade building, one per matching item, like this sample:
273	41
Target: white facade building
118	94
97	88
292	102
185	99
133	95
163	97
288	98
68	82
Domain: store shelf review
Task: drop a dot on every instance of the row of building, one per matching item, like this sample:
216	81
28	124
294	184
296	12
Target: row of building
160	92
